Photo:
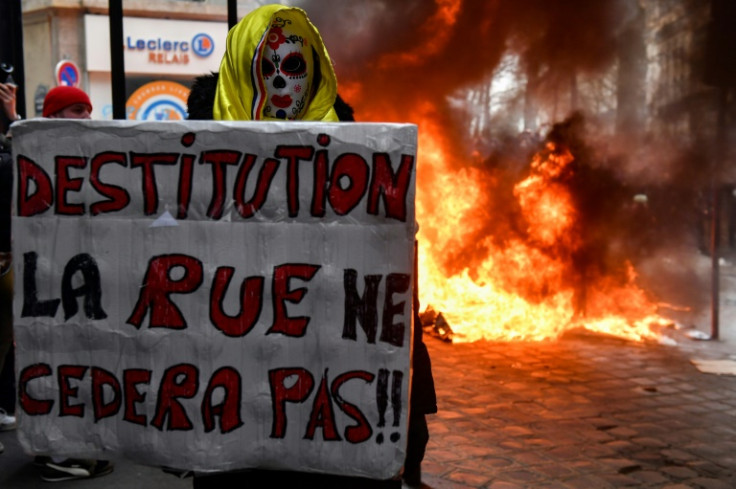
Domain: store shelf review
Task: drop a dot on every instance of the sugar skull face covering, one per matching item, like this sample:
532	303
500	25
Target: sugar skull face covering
275	67
284	71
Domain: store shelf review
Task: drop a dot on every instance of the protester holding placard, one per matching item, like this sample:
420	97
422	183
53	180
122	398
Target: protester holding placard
191	295
276	67
230	298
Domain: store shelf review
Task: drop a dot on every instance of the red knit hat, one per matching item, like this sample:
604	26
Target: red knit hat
61	97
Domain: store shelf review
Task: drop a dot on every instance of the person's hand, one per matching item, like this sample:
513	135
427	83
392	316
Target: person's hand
7	99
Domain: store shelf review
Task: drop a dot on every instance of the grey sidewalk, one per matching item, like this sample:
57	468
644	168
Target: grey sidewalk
583	412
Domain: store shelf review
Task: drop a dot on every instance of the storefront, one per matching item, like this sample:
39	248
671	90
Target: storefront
162	57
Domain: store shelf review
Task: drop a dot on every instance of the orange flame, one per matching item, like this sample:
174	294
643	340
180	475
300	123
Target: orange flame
545	204
516	290
522	285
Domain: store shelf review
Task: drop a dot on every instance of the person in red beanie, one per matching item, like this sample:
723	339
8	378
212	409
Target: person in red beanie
67	103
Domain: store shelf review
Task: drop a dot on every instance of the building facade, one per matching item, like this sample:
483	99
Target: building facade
166	44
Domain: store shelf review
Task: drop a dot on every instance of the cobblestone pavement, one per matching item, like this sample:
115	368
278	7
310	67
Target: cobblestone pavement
582	412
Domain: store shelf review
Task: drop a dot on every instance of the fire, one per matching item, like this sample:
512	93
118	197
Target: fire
526	287
504	255
547	207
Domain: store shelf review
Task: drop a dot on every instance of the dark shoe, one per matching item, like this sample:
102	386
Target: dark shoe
181	474
72	468
421	485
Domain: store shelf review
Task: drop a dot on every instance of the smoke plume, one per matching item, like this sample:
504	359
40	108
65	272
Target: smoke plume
401	59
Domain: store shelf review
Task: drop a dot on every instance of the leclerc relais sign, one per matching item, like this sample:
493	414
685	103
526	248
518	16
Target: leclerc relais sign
158	45
166	51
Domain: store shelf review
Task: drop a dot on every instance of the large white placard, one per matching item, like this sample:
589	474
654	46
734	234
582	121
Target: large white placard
214	296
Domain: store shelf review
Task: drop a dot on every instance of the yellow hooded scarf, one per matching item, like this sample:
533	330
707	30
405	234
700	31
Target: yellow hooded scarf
236	87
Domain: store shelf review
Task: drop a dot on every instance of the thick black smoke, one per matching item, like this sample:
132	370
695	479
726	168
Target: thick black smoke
404	52
408	50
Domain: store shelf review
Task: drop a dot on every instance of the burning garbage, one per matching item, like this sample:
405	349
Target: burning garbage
436	325
535	255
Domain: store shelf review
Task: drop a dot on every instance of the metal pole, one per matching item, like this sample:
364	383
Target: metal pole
715	219
715	272
232	13
19	71
117	61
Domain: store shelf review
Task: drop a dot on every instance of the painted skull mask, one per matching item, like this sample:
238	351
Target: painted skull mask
286	72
